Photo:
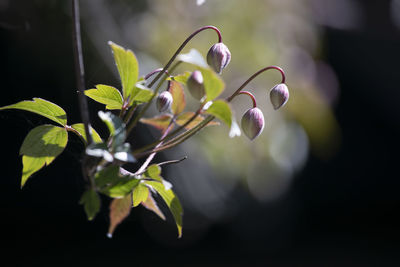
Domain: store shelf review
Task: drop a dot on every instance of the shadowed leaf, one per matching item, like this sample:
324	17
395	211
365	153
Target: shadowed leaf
178	96
185	116
40	147
91	203
160	122
119	210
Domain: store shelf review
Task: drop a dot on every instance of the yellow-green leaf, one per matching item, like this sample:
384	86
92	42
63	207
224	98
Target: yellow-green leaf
40	147
80	131
172	202
221	110
42	107
106	95
128	68
213	84
140	194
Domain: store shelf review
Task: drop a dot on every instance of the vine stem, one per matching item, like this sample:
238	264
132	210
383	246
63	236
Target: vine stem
152	155
79	68
250	95
165	69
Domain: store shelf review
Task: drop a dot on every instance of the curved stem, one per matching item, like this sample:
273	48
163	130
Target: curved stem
229	99
154	72
182	46
251	96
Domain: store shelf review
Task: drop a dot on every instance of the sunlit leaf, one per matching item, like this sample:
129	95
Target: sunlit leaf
140	194
119	210
172	202
80	131
185	116
181	78
128	68
42	107
221	110
153	172
141	94
178	96
213	84
106	95
160	122
91	203
40	147
121	188
151	204
193	57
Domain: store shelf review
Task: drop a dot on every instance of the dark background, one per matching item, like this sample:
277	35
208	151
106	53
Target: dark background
338	212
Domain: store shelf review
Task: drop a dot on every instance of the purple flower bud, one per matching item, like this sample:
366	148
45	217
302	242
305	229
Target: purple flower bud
164	101
195	85
253	123
279	95
218	57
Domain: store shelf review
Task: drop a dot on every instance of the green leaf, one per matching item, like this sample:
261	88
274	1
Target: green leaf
150	204
141	94
160	122
193	57
40	147
181	78
221	110
213	84
154	172
140	194
107	95
42	107
107	176
178	96
99	150
119	210
91	203
80	131
172	202
185	116
121	188
115	126
128	68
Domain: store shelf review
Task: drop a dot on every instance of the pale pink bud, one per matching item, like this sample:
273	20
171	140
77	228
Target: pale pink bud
253	123
218	57
279	95
164	101
195	85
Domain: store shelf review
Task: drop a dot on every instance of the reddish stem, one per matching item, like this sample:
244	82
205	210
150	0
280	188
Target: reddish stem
251	96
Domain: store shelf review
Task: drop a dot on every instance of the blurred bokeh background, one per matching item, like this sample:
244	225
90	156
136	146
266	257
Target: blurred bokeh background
319	187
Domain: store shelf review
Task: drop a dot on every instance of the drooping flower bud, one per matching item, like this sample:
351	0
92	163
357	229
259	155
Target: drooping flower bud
195	85
253	123
164	101
218	57
279	95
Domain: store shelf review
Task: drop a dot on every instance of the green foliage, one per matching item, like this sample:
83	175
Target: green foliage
106	95
128	68
181	78
80	131
172	202
140	194
91	203
141	94
221	110
40	147
41	107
